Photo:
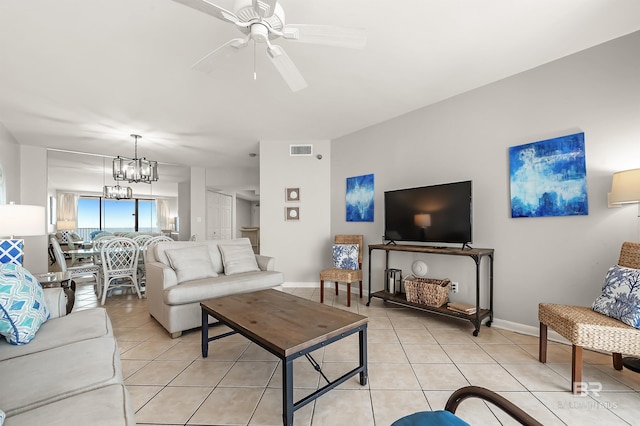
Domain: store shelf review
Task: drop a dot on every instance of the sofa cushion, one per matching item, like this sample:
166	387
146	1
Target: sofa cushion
191	263
86	324
223	285
22	304
620	298
109	405
345	256
238	256
44	377
158	253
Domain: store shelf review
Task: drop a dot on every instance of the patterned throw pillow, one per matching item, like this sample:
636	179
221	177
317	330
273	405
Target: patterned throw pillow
22	306
620	297
345	256
1	417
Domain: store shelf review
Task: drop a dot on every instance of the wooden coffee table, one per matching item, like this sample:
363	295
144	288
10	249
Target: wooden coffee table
289	327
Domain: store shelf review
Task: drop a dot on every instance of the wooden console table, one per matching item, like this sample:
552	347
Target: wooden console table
400	299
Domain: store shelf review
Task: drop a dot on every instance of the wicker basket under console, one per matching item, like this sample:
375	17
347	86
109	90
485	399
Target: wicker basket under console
427	291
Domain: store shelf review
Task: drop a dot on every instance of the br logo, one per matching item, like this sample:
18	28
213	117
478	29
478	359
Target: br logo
586	388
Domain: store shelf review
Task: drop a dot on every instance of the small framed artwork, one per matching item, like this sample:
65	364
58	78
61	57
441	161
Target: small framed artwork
292	213
292	194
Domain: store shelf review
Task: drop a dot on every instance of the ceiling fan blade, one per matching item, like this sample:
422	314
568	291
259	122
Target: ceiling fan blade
211	9
264	8
286	68
352	38
209	62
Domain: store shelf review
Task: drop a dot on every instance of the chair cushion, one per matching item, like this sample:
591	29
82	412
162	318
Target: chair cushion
191	263
431	418
238	256
22	304
345	256
620	298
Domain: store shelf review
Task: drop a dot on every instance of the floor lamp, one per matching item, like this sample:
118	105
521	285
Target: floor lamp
625	189
21	220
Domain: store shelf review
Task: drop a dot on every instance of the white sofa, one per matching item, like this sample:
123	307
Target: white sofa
181	274
69	374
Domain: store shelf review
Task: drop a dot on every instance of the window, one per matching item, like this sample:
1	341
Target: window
98	214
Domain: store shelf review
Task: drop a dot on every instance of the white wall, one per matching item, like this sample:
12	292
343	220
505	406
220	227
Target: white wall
10	162
551	259
299	247
33	191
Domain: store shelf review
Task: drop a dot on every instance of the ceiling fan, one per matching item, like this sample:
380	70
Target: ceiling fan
263	21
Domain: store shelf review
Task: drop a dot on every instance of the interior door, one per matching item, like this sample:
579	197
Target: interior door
219	216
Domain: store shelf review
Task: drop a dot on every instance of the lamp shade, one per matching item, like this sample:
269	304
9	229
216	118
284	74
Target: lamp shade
625	187
21	220
66	225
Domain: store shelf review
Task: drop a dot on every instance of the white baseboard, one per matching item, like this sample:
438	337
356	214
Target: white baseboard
528	330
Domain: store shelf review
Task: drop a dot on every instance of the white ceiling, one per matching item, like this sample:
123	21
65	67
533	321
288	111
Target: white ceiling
82	75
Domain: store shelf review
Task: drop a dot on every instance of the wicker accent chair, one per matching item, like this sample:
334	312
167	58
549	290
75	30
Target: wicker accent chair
584	327
347	276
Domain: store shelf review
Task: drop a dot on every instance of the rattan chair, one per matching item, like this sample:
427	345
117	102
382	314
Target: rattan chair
347	276
584	327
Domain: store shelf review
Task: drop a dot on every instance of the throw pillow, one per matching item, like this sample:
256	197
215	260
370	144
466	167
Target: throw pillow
238	256
345	256
191	263
22	304
2	415
620	297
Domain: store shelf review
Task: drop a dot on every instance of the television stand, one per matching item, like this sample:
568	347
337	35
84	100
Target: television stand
400	299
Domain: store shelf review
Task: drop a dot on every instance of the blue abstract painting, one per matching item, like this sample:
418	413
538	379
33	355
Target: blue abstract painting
360	198
549	178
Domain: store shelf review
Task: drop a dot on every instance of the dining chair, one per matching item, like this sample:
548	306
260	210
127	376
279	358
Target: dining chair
79	271
119	265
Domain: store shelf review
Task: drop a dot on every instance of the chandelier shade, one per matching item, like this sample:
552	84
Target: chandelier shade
117	192
135	170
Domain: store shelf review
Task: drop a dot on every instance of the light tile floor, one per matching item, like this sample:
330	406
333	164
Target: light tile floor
416	360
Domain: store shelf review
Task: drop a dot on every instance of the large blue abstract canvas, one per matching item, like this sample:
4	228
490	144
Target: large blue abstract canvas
549	178
360	198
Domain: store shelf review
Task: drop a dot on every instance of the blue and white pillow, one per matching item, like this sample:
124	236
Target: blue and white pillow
620	297
22	305
2	416
345	256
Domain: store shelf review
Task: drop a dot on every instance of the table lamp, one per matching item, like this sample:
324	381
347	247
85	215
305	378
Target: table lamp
625	189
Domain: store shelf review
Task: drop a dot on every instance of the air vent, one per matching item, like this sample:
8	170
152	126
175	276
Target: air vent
300	150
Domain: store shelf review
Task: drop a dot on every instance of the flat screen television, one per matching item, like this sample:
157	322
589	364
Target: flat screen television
429	214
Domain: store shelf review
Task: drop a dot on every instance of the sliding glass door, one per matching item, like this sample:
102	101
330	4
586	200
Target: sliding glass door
99	214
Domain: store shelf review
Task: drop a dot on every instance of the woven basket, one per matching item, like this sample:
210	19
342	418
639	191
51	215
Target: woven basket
427	291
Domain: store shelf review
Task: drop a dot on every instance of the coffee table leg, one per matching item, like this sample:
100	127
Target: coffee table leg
362	337
205	333
287	392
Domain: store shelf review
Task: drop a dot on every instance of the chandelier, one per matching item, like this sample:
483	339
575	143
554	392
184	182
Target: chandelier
117	192
135	170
